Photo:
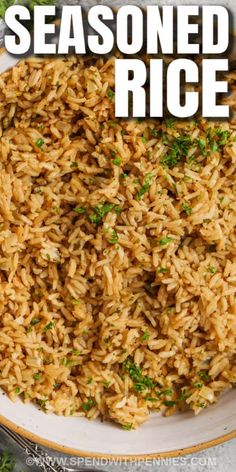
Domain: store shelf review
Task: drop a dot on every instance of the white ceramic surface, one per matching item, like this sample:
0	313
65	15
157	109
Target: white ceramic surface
158	435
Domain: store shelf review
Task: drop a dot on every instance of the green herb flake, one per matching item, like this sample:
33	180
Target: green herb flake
100	211
179	149
162	270
75	302
145	336
37	376
43	404
112	123
86	406
110	94
212	269
124	175
141	382
146	185
223	136
106	383
184	395
186	208
56	385
17	390
39	143
169	403
202	146
80	210
164	241
74	164
89	381
168	392
201	404
114	237
117	161
127	426
118	209
198	385
170	122
143	139
34	321
204	375
154	133
48	327
214	146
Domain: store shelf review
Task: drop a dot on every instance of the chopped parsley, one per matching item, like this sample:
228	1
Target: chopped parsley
150	399
179	149
74	164
201	404
80	210
202	146
198	385
127	426
89	381
166	240
141	382
56	385
75	302
34	321
110	94
212	269
223	136
184	395
114	237
170	122
145	336
124	175
162	270
204	375
17	390
146	185
48	327
106	383
43	403
100	211
154	132
86	406
143	139
169	403
39	143
117	161
118	209
166	393
37	376
186	208
214	146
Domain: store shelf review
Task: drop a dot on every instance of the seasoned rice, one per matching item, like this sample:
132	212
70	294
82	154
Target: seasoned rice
117	249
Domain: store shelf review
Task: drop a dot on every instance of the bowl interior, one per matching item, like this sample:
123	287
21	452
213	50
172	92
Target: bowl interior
157	435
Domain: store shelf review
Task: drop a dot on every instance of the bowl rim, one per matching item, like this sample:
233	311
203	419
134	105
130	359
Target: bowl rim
122	457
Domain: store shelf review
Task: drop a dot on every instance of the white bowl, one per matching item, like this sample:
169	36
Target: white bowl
158	437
